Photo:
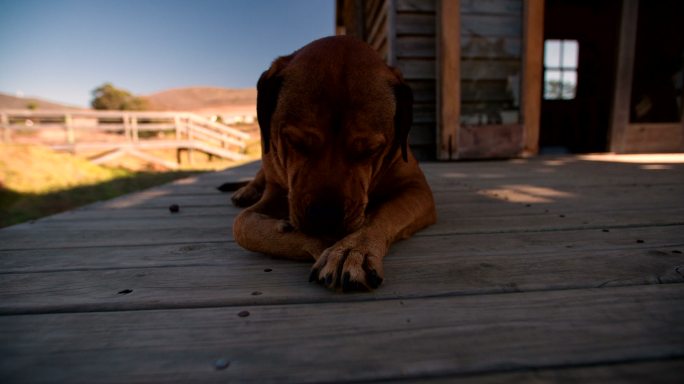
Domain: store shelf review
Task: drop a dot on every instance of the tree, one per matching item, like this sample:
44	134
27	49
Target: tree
109	97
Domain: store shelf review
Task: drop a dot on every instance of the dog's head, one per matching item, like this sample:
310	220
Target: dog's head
332	115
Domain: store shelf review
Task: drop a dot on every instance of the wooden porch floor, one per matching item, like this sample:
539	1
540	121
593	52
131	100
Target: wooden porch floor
546	269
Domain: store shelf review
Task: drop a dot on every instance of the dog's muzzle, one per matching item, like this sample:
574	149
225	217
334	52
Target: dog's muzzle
323	217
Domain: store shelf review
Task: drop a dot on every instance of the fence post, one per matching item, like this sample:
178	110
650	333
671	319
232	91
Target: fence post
176	123
127	127
134	128
190	143
4	123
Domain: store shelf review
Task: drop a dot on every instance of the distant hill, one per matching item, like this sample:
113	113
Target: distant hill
205	100
201	100
13	102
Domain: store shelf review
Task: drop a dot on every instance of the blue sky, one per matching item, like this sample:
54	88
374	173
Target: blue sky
62	49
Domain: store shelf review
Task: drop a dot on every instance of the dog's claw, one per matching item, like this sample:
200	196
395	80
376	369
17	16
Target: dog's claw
345	282
373	279
314	275
328	280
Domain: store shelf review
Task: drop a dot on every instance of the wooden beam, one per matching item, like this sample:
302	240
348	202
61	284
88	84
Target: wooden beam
533	34
624	72
449	81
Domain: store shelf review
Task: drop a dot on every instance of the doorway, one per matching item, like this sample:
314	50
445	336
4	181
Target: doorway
580	47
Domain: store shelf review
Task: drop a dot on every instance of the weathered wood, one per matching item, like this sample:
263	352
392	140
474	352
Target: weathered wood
505	7
422	134
490	141
532	74
423	90
653	138
624	74
417	69
377	33
491	25
476	69
636	372
474	47
415	24
449	79
427	6
590	243
424	113
387	339
213	274
416	47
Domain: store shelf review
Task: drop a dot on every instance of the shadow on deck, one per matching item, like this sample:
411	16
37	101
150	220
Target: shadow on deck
547	269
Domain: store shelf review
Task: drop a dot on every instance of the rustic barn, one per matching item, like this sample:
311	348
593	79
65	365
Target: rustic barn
508	78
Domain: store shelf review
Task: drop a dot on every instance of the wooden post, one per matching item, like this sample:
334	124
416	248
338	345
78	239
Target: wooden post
134	128
449	83
176	124
127	127
623	75
533	54
4	123
190	143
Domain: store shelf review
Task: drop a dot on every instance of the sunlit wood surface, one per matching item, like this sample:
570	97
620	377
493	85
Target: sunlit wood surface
538	270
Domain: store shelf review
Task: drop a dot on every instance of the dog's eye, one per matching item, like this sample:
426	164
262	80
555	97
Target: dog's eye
300	144
365	153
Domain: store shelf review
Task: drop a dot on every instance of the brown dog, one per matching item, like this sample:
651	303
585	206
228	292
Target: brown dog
338	183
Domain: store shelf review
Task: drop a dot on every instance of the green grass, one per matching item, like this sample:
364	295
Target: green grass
36	182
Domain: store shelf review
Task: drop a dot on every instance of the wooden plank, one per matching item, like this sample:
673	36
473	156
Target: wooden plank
427	6
415	24
624	74
417	338
449	81
513	208
505	7
378	29
422	134
392	33
474	47
653	138
424	113
423	90
635	372
491	25
490	141
207	275
416	47
532	74
372	10
417	69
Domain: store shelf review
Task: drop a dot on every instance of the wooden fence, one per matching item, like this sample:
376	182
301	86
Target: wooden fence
111	134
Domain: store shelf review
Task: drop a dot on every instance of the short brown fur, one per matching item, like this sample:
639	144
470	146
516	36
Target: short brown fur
338	183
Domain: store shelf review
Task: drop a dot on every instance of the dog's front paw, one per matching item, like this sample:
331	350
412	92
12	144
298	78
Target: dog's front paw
352	264
245	196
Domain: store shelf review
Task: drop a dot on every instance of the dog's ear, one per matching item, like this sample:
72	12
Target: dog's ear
403	116
268	88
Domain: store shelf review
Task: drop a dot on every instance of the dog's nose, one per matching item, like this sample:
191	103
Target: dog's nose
324	216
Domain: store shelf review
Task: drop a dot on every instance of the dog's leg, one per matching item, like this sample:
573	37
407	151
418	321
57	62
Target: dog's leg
264	228
250	193
355	262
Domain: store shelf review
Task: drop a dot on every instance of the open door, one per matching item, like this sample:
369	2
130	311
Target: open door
580	46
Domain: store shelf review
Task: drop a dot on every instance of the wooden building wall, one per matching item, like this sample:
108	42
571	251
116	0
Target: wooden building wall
416	57
404	33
